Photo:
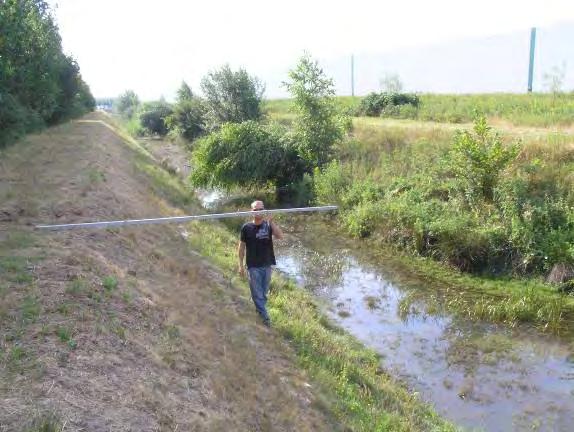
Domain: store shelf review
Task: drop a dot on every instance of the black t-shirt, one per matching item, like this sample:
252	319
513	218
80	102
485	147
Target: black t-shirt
259	244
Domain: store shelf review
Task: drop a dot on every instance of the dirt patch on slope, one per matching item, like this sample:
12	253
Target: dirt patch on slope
125	329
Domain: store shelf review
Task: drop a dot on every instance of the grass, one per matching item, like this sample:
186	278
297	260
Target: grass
110	283
15	269
45	423
540	110
77	286
506	300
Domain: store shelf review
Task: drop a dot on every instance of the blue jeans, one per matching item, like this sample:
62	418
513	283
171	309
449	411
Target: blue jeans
259	280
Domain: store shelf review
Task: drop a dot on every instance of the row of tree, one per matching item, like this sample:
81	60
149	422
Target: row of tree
39	84
238	146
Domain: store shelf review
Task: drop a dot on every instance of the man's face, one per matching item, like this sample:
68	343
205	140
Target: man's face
256	206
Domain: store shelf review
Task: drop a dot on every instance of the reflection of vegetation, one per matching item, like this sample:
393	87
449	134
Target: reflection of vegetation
473	350
326	270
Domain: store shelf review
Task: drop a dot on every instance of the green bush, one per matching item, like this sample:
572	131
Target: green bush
319	124
246	154
188	119
362	219
479	159
331	183
377	104
152	117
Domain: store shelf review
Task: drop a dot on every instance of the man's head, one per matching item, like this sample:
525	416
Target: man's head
257	205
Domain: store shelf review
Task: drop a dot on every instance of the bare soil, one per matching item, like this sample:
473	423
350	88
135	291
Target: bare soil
126	329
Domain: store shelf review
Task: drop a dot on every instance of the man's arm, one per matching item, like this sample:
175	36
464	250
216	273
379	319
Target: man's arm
275	230
241	256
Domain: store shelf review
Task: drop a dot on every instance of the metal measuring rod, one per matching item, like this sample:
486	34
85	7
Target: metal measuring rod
180	219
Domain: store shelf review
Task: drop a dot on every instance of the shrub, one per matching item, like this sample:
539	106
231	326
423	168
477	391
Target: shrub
478	160
187	119
153	117
246	154
376	104
331	183
362	219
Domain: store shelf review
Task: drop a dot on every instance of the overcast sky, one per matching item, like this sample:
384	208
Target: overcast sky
151	46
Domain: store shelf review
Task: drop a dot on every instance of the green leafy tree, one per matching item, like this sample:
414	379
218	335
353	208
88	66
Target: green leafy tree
318	124
187	119
479	158
184	93
38	83
127	103
246	154
232	97
152	117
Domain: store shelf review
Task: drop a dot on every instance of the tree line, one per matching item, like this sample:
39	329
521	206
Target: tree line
234	143
39	84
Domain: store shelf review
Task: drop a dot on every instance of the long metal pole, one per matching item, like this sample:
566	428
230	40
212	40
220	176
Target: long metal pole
531	64
180	219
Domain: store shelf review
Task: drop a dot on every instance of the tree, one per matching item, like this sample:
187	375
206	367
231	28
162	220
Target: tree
391	83
554	80
187	119
184	93
318	124
231	96
246	154
39	84
152	117
127	104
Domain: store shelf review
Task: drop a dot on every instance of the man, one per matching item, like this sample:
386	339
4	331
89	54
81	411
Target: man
257	238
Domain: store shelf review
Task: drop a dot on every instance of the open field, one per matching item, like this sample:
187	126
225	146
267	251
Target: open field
537	110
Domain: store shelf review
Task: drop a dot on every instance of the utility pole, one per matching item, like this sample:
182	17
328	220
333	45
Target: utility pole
531	65
352	75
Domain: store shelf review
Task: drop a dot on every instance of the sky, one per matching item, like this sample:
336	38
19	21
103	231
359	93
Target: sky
151	46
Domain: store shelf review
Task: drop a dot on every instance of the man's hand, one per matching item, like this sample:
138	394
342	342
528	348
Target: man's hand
242	271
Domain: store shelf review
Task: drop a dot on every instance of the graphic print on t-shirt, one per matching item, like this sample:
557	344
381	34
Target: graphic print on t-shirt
262	232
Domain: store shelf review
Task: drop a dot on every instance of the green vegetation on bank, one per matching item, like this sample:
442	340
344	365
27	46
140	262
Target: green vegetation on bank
361	395
539	109
39	84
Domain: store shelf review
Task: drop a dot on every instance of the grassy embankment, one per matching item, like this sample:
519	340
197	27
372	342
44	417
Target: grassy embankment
395	185
539	110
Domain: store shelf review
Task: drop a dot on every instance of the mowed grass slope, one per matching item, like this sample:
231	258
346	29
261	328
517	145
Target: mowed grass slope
125	329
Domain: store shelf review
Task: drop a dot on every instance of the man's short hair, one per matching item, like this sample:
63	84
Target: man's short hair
254	204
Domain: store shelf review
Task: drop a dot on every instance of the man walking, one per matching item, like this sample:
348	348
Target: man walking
257	238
